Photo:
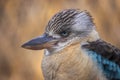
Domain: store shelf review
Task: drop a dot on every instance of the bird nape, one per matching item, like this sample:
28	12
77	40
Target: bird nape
74	50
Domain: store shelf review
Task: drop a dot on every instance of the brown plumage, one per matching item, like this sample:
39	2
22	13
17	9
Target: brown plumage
70	64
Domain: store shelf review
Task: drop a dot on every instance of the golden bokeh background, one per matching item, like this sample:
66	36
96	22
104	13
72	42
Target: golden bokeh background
21	20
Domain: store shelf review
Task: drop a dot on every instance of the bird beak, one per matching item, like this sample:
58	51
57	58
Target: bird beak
41	42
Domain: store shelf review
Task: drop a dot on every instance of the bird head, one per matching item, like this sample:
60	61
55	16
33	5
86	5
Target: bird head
65	28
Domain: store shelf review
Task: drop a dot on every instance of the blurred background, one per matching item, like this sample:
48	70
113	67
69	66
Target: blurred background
21	20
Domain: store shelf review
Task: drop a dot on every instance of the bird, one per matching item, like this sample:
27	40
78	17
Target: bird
73	49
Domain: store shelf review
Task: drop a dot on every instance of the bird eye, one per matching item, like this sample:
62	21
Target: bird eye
64	33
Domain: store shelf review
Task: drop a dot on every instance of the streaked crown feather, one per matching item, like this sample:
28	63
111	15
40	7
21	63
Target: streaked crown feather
67	18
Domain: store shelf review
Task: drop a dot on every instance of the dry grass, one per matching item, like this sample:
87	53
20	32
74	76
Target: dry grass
21	20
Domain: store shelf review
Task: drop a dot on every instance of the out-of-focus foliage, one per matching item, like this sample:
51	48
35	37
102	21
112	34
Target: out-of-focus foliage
21	20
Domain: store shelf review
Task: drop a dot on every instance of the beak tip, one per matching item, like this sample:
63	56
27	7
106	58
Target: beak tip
23	46
26	46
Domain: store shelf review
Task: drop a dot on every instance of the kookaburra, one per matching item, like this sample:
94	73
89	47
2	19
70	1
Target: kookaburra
74	50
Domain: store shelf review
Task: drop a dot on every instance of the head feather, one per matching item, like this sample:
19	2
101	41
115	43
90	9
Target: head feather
67	18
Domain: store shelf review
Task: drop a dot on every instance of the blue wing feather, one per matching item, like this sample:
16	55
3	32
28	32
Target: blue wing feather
106	56
109	68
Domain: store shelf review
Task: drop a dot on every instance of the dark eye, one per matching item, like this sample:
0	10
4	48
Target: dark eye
64	33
